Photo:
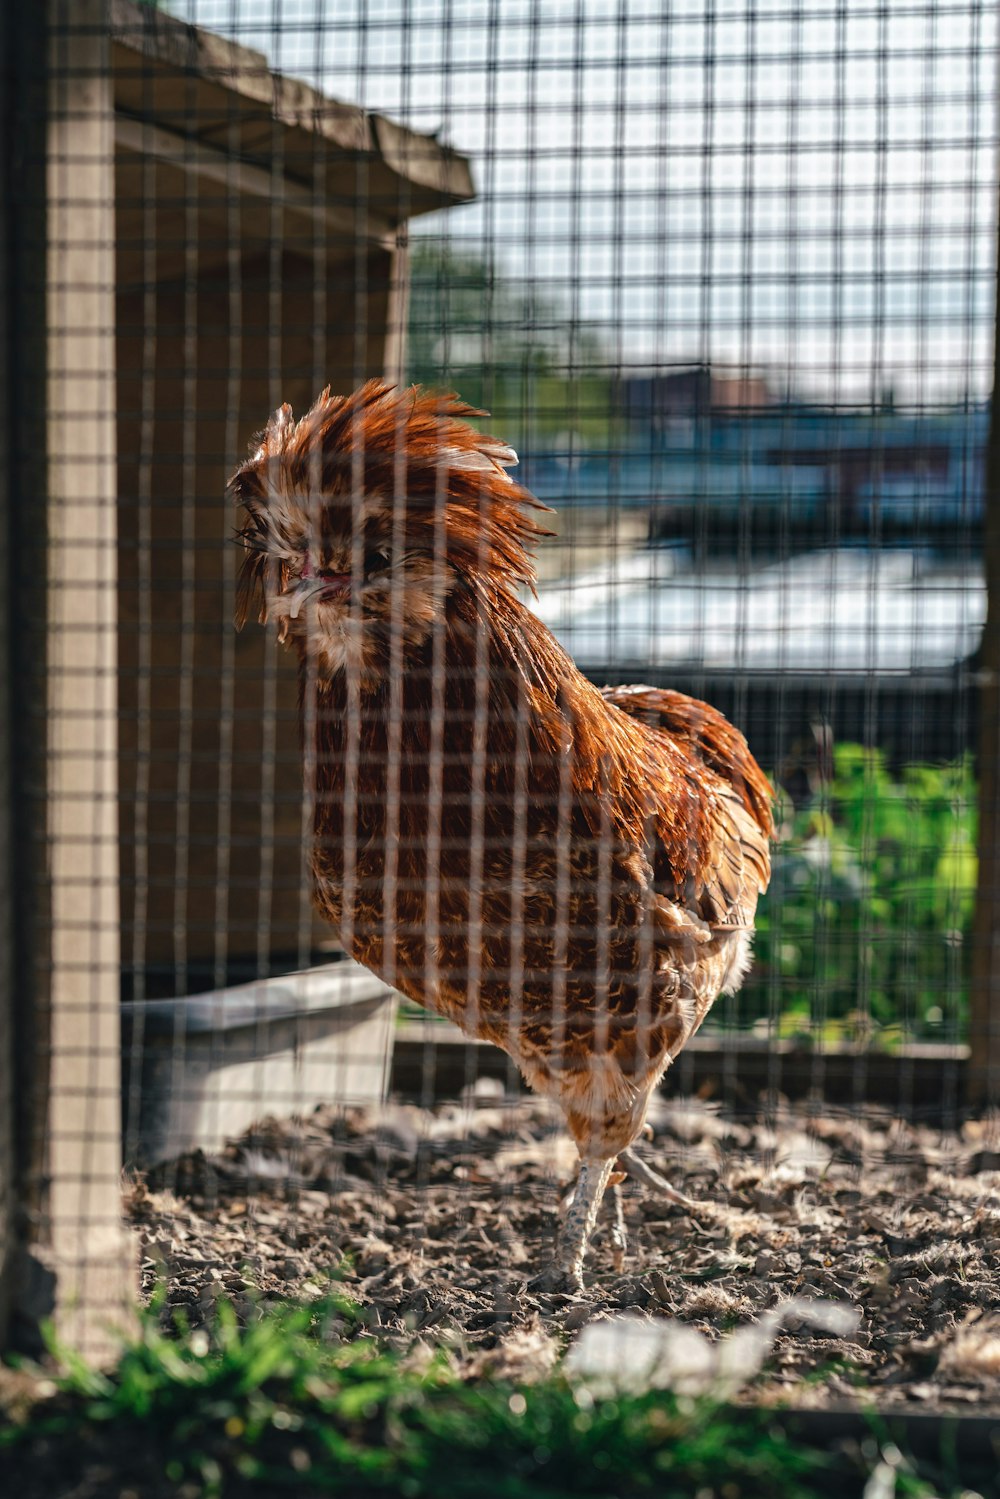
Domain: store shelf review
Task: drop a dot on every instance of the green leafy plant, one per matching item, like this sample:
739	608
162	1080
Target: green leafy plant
864	932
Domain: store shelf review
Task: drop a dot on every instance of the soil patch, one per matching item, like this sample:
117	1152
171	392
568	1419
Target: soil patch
434	1223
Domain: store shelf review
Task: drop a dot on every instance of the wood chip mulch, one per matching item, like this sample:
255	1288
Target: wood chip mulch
434	1223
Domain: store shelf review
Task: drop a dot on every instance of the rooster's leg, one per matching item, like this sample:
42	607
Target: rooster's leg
618	1232
636	1168
566	1272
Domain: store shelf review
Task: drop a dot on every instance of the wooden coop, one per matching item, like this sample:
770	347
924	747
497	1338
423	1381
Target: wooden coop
198	239
260	255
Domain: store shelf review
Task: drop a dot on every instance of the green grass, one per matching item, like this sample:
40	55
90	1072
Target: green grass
299	1402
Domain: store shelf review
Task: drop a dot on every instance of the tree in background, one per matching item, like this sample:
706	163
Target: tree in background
507	348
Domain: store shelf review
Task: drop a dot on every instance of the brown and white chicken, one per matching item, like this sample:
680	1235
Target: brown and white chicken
569	873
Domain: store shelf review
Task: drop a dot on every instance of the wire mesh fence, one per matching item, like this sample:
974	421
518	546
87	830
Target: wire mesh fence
723	279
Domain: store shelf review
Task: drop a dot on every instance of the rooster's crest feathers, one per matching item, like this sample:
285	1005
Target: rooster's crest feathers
403	453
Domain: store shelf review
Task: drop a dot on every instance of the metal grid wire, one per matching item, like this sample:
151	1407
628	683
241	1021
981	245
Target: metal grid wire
724	277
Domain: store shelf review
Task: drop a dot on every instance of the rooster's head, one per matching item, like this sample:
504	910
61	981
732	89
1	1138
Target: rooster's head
363	516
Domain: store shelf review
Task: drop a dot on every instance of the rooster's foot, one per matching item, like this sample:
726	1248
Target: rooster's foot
558	1280
637	1169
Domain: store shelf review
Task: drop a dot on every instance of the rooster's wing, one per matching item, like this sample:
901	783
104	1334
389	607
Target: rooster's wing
719	877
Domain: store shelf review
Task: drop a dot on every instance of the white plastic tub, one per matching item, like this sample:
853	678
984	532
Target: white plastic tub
201	1069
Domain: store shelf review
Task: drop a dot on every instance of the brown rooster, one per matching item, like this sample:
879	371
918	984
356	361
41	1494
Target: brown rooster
571	874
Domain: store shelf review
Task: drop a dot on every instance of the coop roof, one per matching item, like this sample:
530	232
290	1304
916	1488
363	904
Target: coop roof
239	152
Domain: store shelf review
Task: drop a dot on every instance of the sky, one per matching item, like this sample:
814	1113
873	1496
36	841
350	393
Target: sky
806	188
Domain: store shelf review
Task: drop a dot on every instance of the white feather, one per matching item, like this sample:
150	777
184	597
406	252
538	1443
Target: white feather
491	459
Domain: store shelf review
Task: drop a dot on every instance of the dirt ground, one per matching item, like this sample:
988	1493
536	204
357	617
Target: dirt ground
435	1223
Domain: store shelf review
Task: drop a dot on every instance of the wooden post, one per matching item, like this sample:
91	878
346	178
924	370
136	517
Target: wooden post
73	1260
87	1243
23	1070
9	76
397	312
984	1018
